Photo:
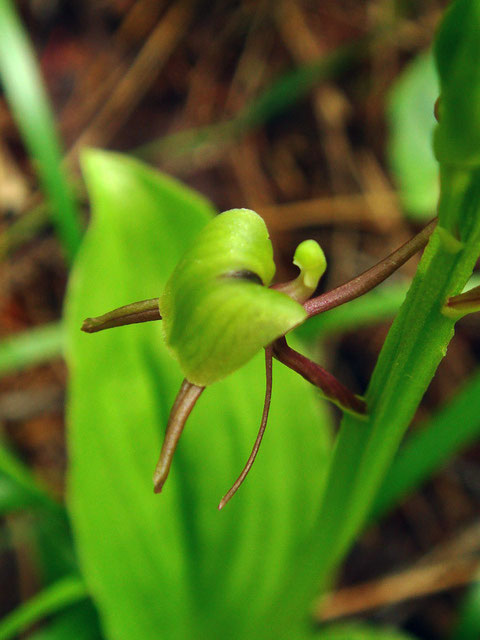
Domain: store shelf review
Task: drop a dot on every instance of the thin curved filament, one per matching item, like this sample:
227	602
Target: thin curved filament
261	431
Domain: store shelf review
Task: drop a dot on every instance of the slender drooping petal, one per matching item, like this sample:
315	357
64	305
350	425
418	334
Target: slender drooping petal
266	408
182	407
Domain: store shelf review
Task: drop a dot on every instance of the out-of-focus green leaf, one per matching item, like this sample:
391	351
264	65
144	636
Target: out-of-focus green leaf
172	566
411	123
454	427
22	229
48	533
31	347
360	632
54	598
457	135
468	624
23	86
18	488
12	498
79	622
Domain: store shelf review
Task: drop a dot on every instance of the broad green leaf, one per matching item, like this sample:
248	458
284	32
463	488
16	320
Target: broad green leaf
171	566
411	123
359	631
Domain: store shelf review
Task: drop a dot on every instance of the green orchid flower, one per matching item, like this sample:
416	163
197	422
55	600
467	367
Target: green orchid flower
219	309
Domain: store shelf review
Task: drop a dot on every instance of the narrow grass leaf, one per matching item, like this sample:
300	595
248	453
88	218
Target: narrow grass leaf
431	445
18	487
52	599
32	347
278	97
23	85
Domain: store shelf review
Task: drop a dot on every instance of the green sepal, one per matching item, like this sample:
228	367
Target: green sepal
457	55
216	314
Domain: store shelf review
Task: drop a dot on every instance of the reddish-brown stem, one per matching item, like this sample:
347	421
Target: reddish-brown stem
331	388
261	431
143	311
372	277
182	407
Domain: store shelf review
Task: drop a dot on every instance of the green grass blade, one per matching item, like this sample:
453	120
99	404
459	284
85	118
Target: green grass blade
52	599
280	95
25	92
31	347
284	91
23	229
431	446
294	85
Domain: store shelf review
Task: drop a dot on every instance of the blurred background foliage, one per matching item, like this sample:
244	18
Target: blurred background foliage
319	117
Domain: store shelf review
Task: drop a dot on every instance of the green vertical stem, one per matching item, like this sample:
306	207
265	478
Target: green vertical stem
22	82
415	345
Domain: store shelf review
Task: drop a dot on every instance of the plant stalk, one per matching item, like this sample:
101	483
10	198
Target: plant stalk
372	277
